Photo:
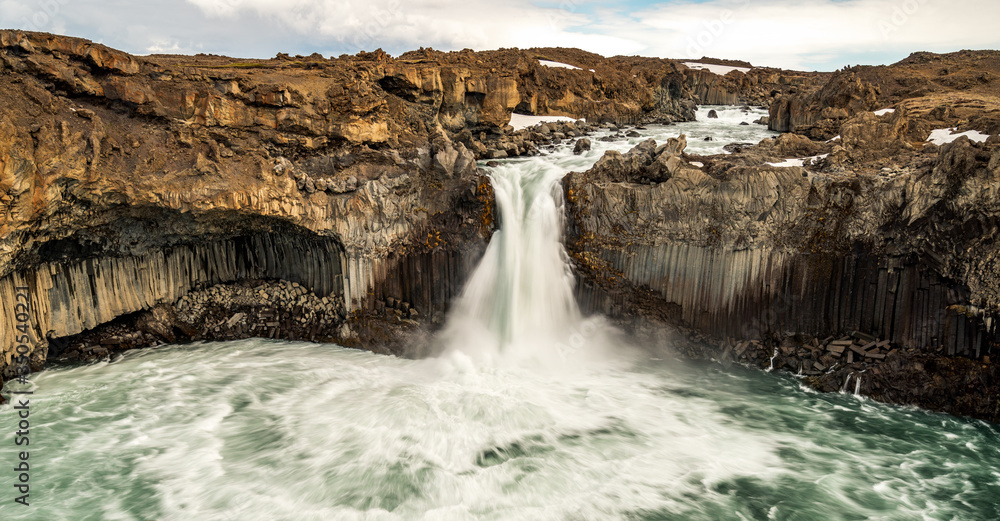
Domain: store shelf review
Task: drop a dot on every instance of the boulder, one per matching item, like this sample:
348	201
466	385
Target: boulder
673	147
444	160
582	145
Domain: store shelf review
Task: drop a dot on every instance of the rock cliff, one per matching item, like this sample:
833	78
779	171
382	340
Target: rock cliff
945	90
759	86
129	184
876	235
173	198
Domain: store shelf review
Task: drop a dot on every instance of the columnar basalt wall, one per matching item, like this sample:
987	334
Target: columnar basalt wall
428	281
739	248
757	293
71	297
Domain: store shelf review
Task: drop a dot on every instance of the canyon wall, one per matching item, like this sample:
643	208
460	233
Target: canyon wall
901	258
128	183
205	197
882	252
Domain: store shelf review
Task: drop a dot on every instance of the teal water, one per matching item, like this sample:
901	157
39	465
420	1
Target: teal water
272	430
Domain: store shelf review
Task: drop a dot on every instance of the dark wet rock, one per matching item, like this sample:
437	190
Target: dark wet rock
719	247
581	145
733	148
712	114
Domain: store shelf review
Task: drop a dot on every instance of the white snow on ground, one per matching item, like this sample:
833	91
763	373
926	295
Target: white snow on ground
884	112
697	164
945	135
721	70
547	63
789	162
797	162
834	138
523	121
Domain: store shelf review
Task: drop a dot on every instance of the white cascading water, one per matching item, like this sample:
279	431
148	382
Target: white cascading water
518	306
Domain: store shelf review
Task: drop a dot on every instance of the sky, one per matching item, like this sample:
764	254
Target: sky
792	34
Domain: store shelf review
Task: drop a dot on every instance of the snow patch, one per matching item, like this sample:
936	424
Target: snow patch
797	161
721	70
884	112
548	63
788	163
834	138
946	135
523	121
698	164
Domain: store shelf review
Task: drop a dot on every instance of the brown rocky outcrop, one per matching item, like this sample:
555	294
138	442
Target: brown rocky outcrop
938	90
759	86
130	182
820	113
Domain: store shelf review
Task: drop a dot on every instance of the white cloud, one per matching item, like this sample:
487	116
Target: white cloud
785	33
793	33
448	25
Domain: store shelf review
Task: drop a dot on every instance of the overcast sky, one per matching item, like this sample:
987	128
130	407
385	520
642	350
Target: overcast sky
794	34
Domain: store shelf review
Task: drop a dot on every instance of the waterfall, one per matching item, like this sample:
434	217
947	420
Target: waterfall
519	304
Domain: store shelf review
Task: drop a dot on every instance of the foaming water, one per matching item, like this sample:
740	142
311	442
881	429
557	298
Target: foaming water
268	430
518	306
532	412
724	130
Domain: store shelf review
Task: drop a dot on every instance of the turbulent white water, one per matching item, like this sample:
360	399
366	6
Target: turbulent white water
533	412
518	307
266	430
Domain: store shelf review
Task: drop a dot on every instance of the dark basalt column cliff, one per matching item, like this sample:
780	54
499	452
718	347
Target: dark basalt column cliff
761	294
171	198
833	270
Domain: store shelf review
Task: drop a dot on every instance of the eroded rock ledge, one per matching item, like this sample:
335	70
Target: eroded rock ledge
768	263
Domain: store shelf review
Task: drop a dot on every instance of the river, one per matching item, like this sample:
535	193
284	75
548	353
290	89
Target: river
530	411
